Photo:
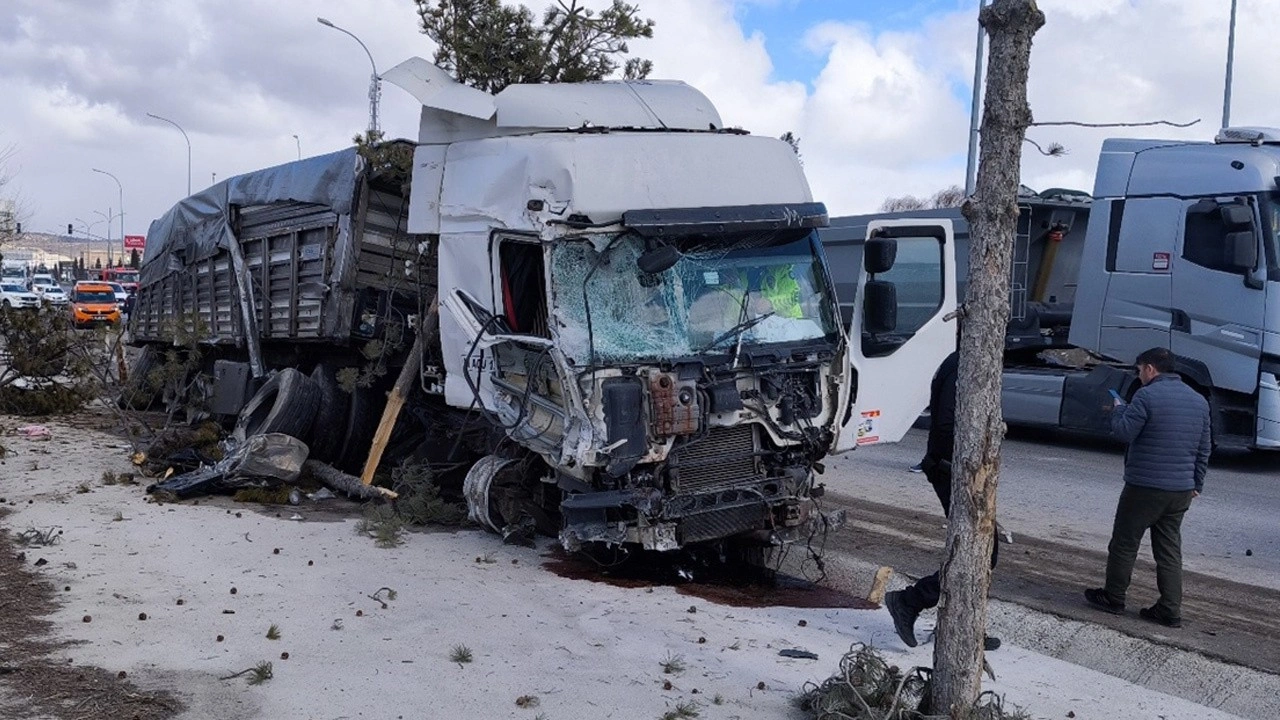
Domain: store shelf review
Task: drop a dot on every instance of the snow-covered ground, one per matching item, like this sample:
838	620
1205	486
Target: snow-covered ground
583	649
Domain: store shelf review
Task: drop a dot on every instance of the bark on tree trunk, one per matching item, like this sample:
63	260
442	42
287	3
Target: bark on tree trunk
992	214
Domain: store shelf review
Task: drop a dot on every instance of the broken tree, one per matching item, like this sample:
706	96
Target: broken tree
992	214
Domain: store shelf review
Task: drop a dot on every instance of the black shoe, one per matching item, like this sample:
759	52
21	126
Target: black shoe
1154	615
1101	600
904	618
990	643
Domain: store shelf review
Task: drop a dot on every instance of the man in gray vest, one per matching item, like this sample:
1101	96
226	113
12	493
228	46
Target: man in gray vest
1167	428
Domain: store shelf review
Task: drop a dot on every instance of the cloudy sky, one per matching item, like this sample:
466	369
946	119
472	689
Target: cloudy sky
877	90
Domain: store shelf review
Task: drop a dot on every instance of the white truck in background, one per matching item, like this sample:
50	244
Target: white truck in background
1178	247
638	339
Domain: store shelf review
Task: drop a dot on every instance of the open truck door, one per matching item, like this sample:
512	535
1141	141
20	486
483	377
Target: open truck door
898	336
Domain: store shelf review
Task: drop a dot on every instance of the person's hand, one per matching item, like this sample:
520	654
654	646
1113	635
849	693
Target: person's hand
1195	494
1116	402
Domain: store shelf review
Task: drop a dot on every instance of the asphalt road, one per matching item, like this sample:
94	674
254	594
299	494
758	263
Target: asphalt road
1065	490
1057	496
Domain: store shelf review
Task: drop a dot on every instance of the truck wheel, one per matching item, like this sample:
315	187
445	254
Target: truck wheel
361	423
476	488
285	404
139	393
331	414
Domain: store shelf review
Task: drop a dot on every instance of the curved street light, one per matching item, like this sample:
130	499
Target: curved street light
184	137
121	187
108	216
375	82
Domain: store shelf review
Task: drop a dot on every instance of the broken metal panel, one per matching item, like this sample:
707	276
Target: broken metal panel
428	178
488	183
435	88
649	104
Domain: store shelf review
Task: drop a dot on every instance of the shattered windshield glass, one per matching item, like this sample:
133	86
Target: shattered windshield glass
759	291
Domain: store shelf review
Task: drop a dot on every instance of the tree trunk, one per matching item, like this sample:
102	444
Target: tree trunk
992	214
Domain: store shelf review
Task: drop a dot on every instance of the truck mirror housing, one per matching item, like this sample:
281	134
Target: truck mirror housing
1242	250
880	305
1237	216
880	254
658	260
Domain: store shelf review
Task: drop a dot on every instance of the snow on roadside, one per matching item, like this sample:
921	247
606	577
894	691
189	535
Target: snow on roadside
584	649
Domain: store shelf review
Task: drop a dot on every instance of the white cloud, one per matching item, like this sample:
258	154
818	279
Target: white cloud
886	115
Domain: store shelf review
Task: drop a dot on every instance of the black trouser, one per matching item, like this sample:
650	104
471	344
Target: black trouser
1141	508
926	592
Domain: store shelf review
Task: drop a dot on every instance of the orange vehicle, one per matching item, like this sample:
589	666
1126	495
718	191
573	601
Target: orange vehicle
94	304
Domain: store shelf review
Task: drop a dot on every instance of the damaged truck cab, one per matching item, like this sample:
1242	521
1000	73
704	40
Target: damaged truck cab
636	300
626	329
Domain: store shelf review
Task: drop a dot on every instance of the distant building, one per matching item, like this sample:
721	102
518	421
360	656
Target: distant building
8	217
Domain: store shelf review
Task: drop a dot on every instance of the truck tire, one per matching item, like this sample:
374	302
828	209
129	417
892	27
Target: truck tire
138	393
285	404
362	422
331	414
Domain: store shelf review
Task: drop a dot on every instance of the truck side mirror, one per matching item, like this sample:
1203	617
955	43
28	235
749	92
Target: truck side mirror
879	255
1242	250
880	307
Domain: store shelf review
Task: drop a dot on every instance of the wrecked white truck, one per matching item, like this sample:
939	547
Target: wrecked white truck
626	329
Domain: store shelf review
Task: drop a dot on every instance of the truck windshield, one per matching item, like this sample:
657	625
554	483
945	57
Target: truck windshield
756	290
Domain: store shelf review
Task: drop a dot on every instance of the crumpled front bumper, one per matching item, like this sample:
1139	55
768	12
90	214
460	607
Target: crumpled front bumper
643	517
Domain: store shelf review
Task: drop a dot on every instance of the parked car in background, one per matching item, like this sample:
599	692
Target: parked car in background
119	291
13	296
94	304
41	282
55	295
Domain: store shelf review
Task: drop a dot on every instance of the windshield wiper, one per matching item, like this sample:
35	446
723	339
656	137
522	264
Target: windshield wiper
738	329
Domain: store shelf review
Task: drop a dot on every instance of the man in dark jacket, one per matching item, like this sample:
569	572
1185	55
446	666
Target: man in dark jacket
1167	427
906	605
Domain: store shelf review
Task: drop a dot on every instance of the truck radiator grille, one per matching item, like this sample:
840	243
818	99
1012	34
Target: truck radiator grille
723	457
723	523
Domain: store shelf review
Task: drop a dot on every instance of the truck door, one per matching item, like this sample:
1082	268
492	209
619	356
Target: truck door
1219	303
1136	313
897	335
519	379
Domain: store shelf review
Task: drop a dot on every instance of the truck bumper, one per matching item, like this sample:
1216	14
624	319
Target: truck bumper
662	524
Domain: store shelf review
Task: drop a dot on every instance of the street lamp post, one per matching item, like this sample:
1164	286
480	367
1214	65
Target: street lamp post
86	227
975	110
184	137
108	217
375	82
298	142
1231	53
121	187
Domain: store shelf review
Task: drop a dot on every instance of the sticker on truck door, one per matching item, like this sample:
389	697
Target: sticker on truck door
867	427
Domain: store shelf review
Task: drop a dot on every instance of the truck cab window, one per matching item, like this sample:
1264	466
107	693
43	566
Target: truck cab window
1204	238
918	281
524	289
